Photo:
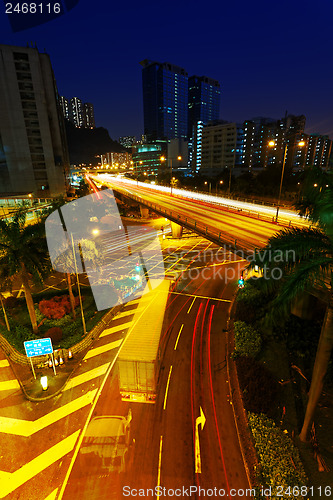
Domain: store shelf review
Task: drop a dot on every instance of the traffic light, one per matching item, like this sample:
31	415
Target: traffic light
137	267
241	281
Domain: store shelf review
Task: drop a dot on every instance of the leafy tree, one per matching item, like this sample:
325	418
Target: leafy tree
311	249
23	257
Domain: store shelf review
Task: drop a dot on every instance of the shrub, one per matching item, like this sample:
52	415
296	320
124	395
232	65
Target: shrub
260	388
55	334
56	307
73	328
251	302
247	340
279	460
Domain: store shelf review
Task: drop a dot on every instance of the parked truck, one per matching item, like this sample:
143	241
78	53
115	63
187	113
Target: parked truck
139	359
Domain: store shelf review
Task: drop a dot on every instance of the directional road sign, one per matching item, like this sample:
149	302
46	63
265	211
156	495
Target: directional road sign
38	347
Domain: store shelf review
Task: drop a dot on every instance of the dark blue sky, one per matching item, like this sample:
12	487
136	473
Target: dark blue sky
268	56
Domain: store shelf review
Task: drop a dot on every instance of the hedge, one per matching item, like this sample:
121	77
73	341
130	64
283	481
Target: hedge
279	460
247	340
260	389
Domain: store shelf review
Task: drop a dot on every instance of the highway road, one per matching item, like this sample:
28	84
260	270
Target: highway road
193	382
40	442
251	229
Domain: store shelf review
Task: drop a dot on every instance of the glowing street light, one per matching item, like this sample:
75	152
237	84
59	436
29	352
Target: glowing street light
162	159
272	144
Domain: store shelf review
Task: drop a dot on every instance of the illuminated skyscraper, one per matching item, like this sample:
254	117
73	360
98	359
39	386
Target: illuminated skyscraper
203	101
165	100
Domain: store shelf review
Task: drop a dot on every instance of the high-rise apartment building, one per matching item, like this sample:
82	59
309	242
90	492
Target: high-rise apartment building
77	112
127	141
254	136
65	107
318	150
165	100
203	101
88	115
218	148
33	150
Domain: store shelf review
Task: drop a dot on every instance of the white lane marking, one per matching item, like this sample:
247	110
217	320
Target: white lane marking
180	331
191	305
159	468
167	388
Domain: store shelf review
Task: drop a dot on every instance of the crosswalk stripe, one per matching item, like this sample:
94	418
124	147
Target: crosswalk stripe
52	495
3	363
114	329
87	376
127	313
103	348
27	427
10	481
7	385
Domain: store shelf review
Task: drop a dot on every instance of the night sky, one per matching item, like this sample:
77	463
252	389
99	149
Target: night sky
268	56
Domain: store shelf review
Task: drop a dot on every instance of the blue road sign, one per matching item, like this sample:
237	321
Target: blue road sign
38	347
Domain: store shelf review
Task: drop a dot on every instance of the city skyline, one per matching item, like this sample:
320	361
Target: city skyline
267	61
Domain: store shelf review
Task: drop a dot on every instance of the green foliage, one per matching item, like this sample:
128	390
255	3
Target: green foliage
247	340
260	388
250	303
73	327
17	335
279	460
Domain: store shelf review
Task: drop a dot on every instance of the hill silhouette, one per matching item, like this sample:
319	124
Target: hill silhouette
85	144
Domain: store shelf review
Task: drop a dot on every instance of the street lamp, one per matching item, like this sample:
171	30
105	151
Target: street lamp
272	144
162	159
210	186
221	182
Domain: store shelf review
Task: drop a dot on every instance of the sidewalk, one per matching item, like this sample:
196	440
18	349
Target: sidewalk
32	388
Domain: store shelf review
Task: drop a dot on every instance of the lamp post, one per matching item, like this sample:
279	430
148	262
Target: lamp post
221	182
272	144
210	186
162	159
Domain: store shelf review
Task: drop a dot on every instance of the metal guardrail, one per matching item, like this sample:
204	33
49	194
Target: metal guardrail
247	212
209	232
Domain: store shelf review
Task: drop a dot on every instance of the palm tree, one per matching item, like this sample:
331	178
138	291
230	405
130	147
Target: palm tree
311	249
23	257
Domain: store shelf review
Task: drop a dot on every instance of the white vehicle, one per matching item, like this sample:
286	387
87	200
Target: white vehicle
106	443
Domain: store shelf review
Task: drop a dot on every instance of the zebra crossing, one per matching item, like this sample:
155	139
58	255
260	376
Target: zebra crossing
37	437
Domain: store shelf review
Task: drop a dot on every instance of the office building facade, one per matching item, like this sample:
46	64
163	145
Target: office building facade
203	101
33	149
165	100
